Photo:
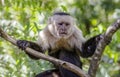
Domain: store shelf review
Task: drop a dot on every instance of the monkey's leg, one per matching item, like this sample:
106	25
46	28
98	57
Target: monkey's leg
49	73
71	57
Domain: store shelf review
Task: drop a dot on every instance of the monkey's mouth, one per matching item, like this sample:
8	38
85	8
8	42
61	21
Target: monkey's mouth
63	33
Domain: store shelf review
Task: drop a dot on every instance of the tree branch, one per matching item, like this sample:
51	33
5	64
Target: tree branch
107	36
58	62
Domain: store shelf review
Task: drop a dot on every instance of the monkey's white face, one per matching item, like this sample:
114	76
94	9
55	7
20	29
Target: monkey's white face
61	26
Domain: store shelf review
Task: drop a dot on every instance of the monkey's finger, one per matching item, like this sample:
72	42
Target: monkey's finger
22	44
99	38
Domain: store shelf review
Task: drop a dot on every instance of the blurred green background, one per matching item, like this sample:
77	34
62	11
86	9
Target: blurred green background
23	19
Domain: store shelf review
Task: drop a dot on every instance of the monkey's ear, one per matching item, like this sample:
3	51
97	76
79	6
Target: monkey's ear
50	19
74	21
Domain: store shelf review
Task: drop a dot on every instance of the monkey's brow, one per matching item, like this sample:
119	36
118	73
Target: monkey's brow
61	13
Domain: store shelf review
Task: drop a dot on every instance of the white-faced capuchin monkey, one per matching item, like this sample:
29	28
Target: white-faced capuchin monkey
64	41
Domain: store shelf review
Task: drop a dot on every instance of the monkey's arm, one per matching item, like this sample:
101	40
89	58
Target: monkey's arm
22	44
88	48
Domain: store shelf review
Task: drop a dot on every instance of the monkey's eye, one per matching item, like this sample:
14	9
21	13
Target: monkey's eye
60	23
67	24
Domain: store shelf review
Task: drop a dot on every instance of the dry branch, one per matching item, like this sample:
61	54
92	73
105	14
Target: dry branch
107	36
58	62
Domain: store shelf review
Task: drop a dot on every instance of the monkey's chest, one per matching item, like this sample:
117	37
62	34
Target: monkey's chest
62	44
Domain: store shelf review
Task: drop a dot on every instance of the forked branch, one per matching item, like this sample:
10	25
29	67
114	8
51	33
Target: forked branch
107	36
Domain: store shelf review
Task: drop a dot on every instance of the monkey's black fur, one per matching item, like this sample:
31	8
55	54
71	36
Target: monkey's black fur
88	49
49	73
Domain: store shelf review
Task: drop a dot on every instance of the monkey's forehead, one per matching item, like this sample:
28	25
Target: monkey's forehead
65	18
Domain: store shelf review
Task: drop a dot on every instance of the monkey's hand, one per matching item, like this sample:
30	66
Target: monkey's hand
23	44
99	37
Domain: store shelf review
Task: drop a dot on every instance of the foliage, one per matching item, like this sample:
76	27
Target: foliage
23	19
